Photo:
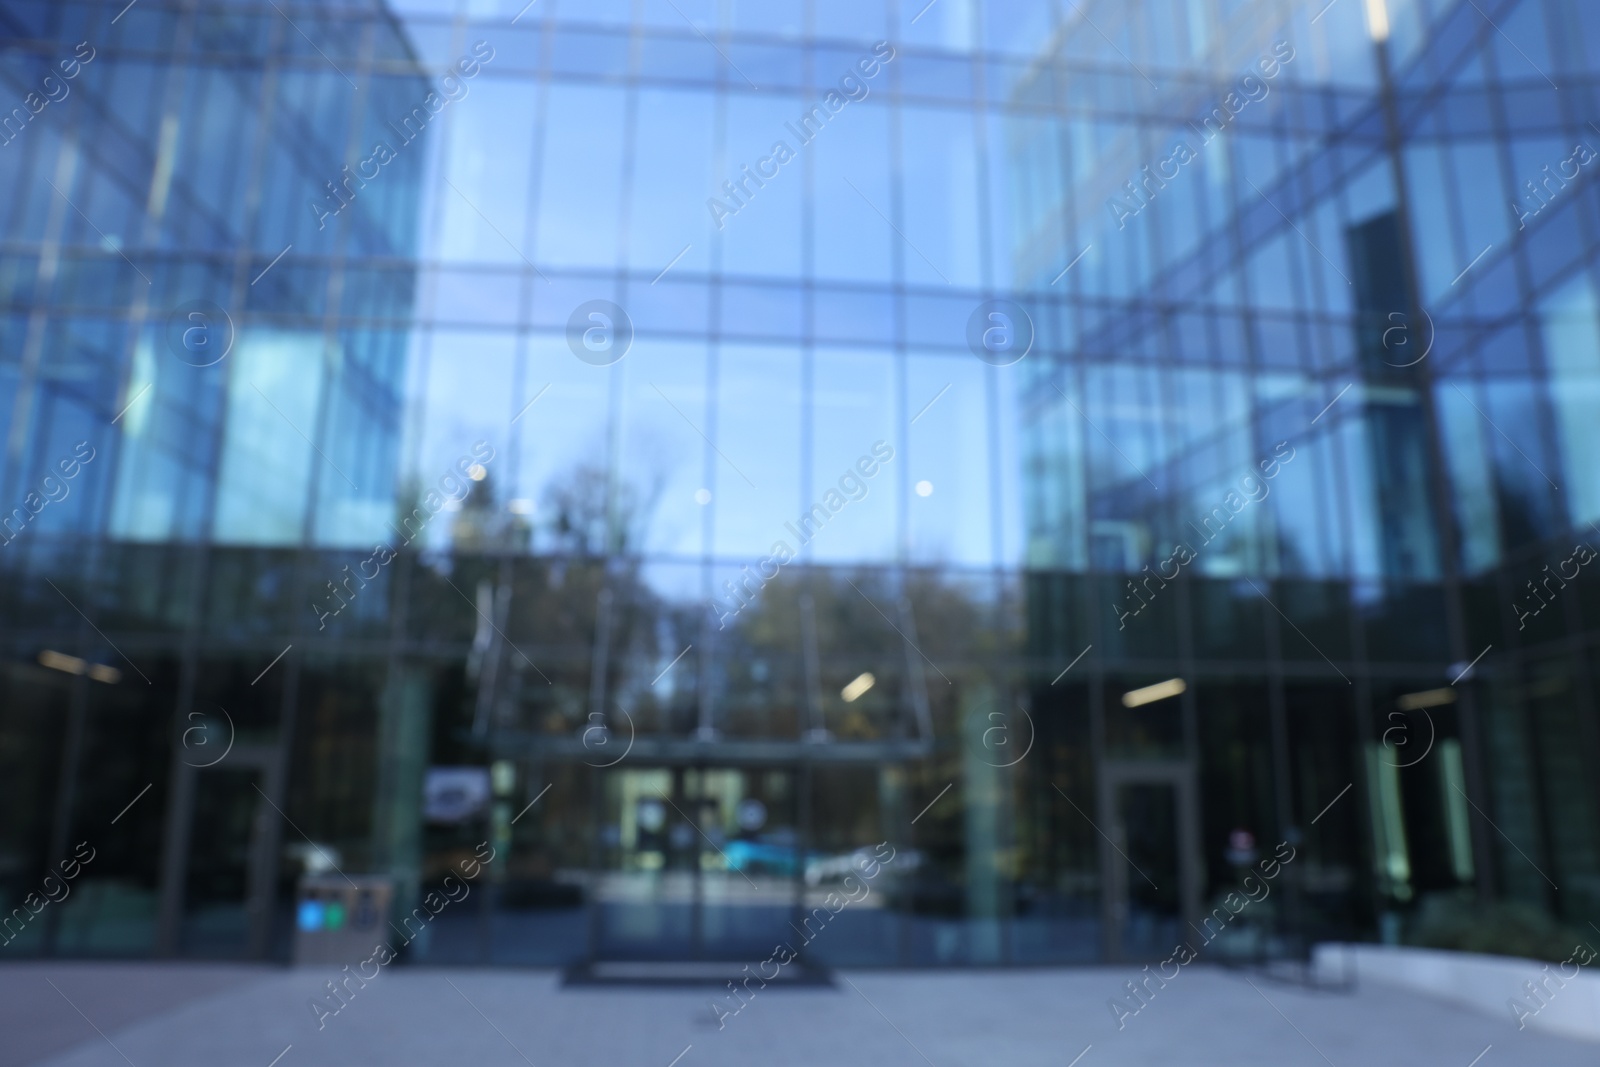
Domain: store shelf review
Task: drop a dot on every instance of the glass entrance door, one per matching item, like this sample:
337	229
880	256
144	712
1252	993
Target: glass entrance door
695	863
218	907
644	890
749	865
1152	878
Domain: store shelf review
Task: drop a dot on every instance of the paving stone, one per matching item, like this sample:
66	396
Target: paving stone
1019	1018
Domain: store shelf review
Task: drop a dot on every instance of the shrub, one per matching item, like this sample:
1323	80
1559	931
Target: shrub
1459	921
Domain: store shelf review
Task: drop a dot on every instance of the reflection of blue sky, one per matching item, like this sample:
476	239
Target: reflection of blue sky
1010	25
581	176
828	310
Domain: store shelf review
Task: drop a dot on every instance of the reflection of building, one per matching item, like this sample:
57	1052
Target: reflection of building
1304	280
238	373
659	787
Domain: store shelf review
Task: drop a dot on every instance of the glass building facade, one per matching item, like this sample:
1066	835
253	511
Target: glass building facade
1079	450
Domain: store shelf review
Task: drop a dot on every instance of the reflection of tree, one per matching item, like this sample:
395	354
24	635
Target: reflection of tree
964	623
587	601
482	527
1292	559
762	652
558	620
587	611
1525	516
593	512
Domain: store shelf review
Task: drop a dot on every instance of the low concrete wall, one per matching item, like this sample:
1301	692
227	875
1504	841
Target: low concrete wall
1571	1006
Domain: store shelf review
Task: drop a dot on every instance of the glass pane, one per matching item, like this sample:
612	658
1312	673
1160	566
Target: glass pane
649	861
1152	917
216	918
750	864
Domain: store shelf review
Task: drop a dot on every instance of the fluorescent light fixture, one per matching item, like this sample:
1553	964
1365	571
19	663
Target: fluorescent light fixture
1152	693
1378	19
1431	698
861	684
60	661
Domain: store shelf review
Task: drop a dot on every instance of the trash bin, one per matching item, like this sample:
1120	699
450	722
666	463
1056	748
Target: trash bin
339	919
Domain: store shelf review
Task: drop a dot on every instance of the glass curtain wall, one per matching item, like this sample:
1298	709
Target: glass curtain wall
598	430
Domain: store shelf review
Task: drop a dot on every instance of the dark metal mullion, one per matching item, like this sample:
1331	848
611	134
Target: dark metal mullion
1440	491
66	795
179	814
1306	282
978	67
897	274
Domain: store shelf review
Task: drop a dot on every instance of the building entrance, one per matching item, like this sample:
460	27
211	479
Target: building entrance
695	863
216	899
1151	879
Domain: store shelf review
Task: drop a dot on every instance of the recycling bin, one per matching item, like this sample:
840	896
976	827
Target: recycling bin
338	919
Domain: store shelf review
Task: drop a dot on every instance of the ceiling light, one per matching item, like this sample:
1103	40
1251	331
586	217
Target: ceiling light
861	684
1431	698
60	661
1152	693
1378	19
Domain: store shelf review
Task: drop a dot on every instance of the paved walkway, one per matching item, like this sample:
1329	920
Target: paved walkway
160	1015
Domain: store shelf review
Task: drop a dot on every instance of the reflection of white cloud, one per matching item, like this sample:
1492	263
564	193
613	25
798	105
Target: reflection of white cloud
273	396
146	491
956	25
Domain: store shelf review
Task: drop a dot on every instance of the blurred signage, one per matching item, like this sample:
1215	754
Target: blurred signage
454	794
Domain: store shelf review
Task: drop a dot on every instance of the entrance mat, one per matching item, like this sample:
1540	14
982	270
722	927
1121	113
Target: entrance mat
719	973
